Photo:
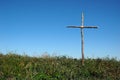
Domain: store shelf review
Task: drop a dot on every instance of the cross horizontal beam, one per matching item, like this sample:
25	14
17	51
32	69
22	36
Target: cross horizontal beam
82	27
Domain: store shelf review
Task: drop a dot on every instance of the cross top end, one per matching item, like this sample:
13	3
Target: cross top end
82	20
82	24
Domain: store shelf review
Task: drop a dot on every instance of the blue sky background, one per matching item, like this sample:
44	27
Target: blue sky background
38	26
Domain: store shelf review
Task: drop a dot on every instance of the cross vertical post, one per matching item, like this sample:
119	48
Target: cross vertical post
82	35
82	46
82	40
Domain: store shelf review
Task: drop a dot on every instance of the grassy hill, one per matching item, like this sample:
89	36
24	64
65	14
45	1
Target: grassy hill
17	67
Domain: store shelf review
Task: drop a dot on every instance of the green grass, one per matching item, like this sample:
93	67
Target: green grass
17	67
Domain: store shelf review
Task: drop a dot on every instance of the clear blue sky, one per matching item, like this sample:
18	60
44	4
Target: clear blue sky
38	26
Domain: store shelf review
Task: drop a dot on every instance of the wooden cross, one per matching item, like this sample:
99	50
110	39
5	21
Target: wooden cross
82	35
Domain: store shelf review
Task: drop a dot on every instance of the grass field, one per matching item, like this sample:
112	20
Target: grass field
19	67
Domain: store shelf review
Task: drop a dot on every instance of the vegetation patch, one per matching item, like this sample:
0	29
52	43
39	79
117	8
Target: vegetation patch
17	67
